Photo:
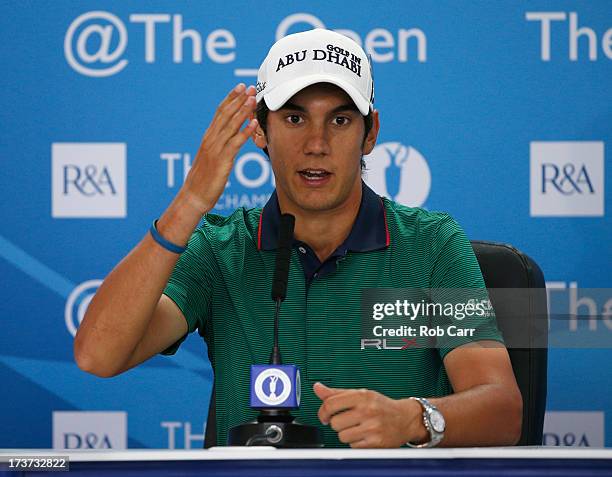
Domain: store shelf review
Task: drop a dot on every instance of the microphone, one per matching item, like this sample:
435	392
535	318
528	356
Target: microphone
281	275
275	425
283	257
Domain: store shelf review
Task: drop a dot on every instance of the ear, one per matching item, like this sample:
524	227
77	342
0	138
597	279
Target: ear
370	140
259	137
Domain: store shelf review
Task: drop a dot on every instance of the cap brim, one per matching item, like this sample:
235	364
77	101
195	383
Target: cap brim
280	95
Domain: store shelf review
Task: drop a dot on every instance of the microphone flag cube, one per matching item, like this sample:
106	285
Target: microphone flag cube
275	386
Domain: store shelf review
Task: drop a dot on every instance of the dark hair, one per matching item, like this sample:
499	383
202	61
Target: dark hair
262	117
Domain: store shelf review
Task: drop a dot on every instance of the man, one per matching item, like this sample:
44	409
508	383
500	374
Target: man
316	121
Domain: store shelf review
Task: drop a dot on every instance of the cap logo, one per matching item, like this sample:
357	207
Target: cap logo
332	54
290	59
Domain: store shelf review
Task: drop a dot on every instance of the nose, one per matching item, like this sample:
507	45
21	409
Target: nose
317	140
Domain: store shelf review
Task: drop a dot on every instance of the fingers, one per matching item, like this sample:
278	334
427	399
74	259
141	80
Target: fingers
345	420
352	435
235	92
343	401
230	105
323	392
361	444
368	434
243	113
236	142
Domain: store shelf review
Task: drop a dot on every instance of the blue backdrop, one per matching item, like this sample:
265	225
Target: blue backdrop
497	112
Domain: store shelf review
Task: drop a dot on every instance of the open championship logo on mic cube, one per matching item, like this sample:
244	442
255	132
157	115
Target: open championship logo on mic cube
275	386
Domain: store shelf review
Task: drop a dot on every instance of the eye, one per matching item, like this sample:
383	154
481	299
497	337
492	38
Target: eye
341	120
294	119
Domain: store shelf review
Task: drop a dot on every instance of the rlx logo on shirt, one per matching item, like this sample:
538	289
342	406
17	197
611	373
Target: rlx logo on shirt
382	343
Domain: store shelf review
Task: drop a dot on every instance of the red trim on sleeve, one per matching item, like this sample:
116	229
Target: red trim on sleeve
388	240
259	231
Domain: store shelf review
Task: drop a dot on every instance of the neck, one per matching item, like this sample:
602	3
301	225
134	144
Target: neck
324	230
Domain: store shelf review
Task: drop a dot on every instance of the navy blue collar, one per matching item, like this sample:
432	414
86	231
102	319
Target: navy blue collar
369	232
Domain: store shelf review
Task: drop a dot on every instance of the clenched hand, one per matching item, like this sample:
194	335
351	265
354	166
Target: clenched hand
364	418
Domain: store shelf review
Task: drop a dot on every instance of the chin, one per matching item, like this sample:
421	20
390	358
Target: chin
319	205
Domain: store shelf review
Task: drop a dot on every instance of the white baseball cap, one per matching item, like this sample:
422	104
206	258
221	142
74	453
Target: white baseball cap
315	56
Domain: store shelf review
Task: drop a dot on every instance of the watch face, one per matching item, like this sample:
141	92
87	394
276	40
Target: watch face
437	421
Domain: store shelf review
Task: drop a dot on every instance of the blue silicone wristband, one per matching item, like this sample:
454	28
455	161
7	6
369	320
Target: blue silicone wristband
171	247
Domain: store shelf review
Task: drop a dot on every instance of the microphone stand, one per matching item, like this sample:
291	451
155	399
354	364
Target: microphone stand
277	426
271	414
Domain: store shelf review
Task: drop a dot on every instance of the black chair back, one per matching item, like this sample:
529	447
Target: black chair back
503	266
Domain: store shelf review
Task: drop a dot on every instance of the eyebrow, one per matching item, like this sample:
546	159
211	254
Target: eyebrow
337	109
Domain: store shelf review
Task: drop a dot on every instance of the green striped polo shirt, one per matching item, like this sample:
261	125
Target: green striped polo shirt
222	284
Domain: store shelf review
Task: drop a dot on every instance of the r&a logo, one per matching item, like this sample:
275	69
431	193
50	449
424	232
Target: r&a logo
88	180
574	429
567	179
89	430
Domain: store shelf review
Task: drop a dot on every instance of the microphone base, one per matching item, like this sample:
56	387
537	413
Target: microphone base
283	435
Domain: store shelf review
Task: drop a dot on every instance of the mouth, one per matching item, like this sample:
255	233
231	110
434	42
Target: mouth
314	175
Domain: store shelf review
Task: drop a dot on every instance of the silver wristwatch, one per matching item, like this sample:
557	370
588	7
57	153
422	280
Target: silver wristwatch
434	423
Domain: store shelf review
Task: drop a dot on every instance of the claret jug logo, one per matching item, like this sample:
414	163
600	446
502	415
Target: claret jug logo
398	172
273	387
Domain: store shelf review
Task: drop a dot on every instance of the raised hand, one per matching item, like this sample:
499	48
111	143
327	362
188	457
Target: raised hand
220	145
